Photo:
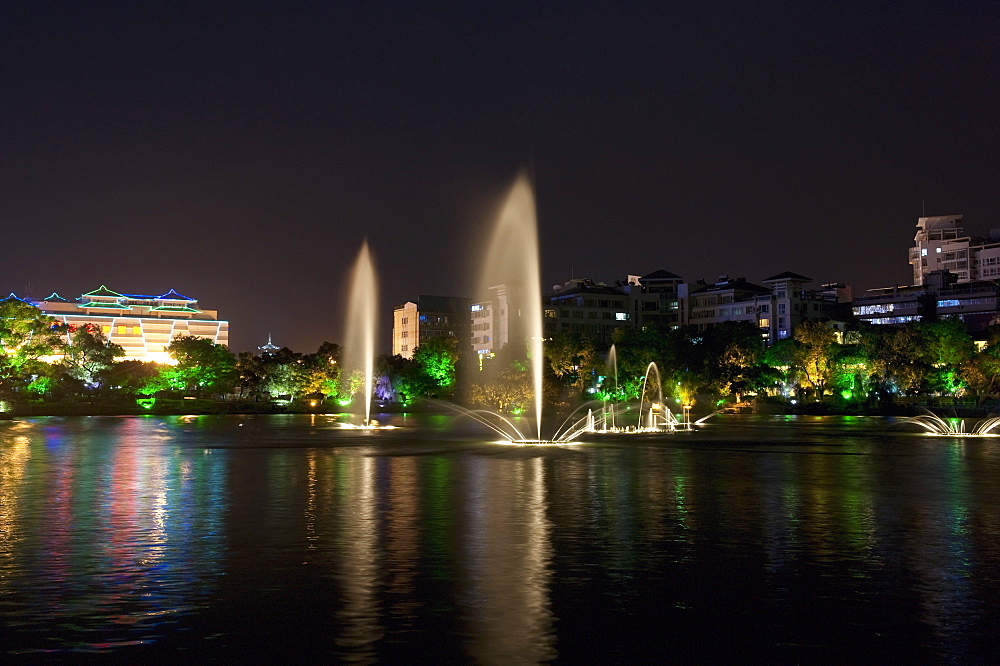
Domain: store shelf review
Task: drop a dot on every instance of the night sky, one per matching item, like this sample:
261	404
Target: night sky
239	152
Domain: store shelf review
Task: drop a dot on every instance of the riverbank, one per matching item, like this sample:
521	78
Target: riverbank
181	406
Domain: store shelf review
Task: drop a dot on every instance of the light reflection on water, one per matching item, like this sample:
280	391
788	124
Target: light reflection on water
104	534
260	537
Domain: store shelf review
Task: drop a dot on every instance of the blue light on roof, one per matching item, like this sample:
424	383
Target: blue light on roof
16	298
174	296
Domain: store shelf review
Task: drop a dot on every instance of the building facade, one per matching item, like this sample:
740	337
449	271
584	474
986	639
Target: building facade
660	297
976	303
587	307
941	244
142	324
499	319
428	317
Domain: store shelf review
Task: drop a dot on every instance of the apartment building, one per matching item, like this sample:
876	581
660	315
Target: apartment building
428	317
941	244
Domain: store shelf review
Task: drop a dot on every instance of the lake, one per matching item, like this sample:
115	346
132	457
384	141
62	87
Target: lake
277	537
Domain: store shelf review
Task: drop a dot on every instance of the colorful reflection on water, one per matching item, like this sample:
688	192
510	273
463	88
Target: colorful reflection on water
265	537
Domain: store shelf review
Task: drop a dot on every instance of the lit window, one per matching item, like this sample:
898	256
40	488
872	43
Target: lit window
106	330
923	252
121	329
939	250
621	316
136	330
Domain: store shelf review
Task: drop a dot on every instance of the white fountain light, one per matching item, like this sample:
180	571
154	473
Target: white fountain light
940	427
359	336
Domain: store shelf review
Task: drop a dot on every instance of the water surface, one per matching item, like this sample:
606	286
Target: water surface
268	537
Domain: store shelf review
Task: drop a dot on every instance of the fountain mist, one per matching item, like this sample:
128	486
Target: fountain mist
362	312
512	259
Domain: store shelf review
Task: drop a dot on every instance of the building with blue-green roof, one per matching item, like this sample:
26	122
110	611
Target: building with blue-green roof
142	324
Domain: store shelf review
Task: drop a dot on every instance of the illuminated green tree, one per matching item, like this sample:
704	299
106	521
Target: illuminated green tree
851	375
131	377
947	347
349	386
400	380
671	350
26	335
436	358
202	366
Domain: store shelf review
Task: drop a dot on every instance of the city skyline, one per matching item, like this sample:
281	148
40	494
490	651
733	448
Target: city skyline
242	153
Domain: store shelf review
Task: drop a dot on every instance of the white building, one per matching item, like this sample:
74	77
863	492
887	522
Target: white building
941	244
429	317
498	320
143	325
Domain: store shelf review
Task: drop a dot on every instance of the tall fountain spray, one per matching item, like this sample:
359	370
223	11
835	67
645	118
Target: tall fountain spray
359	334
512	264
613	362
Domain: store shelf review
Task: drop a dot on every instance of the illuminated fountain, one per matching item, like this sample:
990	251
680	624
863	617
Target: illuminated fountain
613	362
512	259
512	264
654	415
941	427
359	336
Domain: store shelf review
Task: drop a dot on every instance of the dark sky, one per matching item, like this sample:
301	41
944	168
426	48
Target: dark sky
239	152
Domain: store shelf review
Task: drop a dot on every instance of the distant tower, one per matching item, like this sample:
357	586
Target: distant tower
270	348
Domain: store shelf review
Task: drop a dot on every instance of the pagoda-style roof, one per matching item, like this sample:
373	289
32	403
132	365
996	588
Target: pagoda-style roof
104	305
174	296
174	308
54	297
270	347
103	291
788	275
14	296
